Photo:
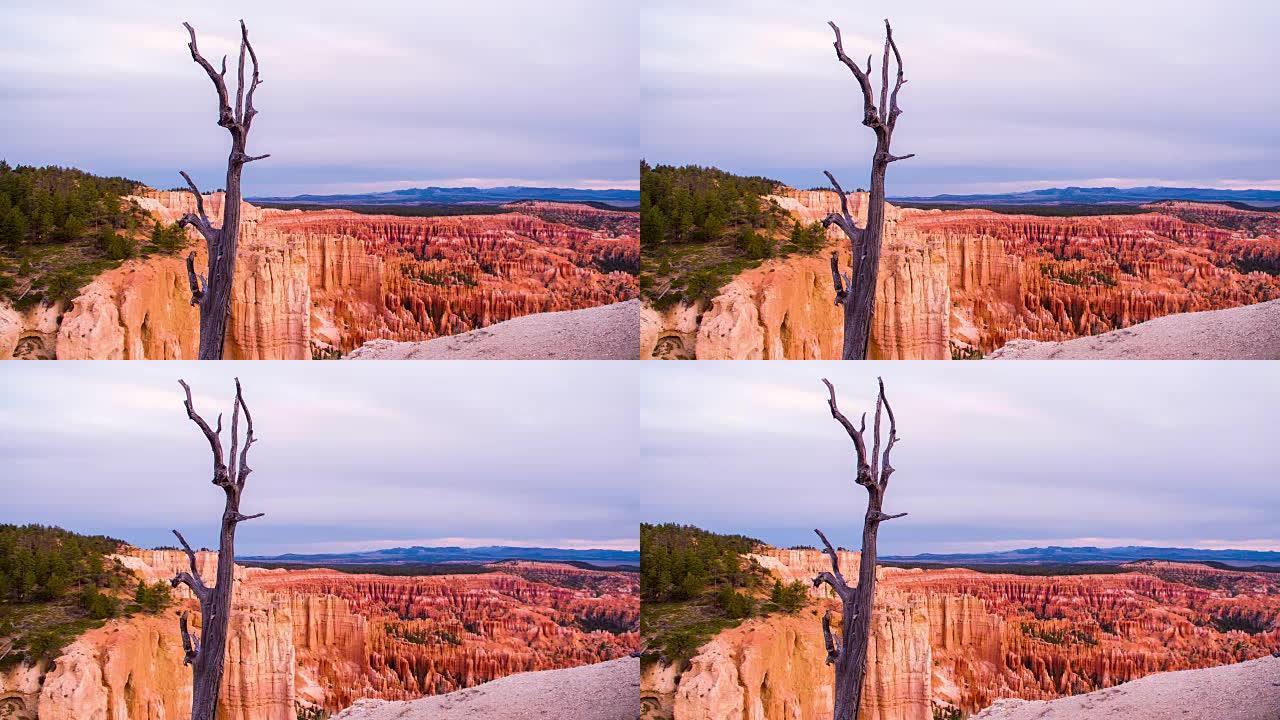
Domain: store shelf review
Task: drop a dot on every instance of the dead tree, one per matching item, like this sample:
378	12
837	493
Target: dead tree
849	656
212	291
856	292
206	655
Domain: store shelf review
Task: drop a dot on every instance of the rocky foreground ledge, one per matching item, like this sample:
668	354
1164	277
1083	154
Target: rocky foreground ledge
610	332
1244	691
1251	332
604	691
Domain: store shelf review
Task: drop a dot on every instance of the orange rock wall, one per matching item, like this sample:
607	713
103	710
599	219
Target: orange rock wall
320	283
319	638
972	280
958	638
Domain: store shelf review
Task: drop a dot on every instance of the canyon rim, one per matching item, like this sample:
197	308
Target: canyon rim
1015	227
402	184
395	558
1022	569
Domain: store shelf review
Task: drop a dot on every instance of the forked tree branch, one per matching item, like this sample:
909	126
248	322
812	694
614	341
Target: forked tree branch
225	118
194	280
836	280
249	439
215	441
198	220
833	652
190	646
886	469
834	578
870	117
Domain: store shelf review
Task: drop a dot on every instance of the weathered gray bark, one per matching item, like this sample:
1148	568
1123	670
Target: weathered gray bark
206	656
850	655
213	295
856	293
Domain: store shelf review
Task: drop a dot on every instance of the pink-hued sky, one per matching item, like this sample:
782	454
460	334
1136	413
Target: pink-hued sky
496	92
1001	96
350	456
994	456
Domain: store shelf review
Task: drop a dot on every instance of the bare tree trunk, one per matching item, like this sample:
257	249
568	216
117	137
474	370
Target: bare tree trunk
850	655
857	292
206	656
213	295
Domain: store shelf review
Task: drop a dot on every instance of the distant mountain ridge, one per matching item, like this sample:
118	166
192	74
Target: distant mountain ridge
1104	196
463	196
453	554
1054	554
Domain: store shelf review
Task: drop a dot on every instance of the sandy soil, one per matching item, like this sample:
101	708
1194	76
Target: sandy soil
604	691
1245	691
611	332
1244	333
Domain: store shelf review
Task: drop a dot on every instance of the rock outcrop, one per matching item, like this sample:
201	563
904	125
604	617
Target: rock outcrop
967	282
321	283
608	332
322	639
604	691
962	639
1251	332
1244	691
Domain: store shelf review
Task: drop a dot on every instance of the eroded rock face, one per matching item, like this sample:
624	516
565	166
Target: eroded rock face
969	281
962	639
322	639
321	283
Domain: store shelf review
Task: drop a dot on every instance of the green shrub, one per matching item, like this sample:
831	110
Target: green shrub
152	598
97	605
790	597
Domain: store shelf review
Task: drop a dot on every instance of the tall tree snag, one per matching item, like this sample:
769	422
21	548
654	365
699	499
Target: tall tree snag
206	655
856	292
850	655
211	292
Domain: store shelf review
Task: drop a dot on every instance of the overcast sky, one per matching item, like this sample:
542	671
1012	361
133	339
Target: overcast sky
355	97
993	456
1001	95
350	455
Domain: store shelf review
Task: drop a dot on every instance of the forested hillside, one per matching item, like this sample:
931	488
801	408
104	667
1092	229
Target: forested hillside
59	227
55	584
695	583
700	226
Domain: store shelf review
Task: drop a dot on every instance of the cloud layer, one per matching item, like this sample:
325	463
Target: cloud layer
415	93
1000	95
350	455
993	455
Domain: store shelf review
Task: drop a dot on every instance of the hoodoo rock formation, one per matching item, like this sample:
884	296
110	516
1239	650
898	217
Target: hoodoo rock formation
322	639
961	639
969	281
321	283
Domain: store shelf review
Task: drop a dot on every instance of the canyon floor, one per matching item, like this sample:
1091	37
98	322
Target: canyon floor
1245	333
1245	691
603	691
610	332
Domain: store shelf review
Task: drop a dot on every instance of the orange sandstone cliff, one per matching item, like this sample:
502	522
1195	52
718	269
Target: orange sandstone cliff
964	282
320	639
320	283
955	638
